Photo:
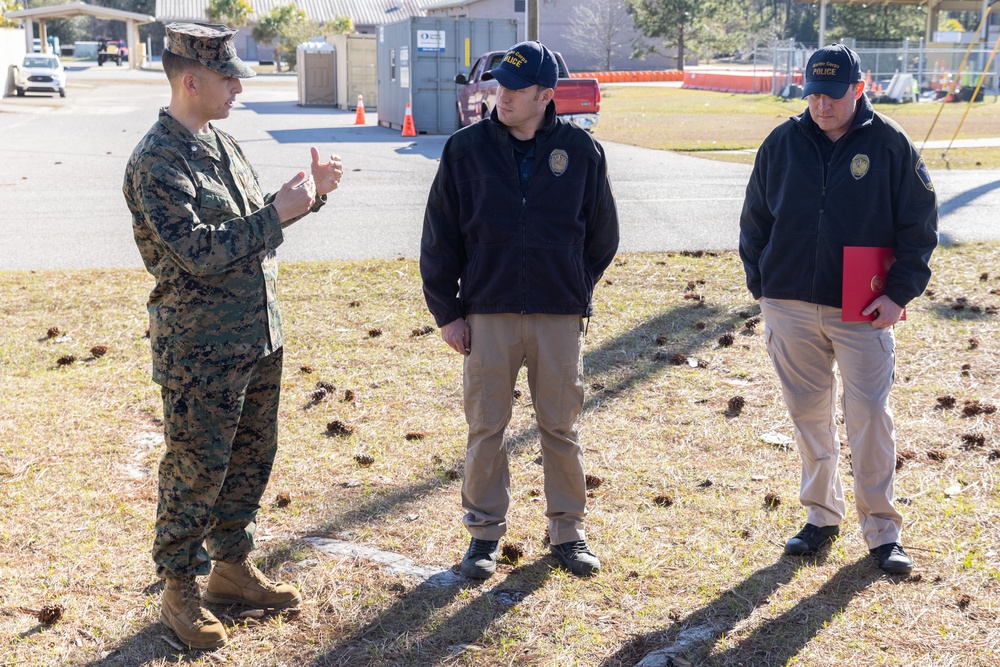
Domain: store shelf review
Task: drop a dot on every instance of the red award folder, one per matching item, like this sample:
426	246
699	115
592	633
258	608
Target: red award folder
865	272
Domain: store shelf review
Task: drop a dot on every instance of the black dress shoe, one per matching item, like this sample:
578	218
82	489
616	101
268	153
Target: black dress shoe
811	539
892	559
480	561
577	558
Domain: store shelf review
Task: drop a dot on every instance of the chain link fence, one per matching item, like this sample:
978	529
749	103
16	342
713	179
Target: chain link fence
932	68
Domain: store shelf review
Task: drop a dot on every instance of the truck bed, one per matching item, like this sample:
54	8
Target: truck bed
578	100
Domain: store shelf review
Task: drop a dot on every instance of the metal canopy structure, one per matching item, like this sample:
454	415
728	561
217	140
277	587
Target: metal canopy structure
945	5
934	8
73	9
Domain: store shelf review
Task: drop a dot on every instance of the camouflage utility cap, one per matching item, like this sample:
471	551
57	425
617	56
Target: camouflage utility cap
211	45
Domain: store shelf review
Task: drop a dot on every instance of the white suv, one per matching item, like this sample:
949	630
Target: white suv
40	72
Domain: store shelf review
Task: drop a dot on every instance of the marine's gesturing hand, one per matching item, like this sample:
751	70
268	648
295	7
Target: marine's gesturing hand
295	197
326	175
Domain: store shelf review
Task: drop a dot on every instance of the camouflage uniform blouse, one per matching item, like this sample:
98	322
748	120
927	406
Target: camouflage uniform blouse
208	235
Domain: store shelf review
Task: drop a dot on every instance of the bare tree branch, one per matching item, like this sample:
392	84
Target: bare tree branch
600	26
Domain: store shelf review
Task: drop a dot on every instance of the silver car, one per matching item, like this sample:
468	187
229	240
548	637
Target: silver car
40	73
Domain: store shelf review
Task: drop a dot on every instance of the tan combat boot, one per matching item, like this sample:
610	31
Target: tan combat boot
181	611
242	583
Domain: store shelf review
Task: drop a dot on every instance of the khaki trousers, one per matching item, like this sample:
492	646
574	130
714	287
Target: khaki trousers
550	346
805	341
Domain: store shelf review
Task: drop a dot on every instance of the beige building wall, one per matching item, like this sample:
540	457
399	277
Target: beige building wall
12	49
554	18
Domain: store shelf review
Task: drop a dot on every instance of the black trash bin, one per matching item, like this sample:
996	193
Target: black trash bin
792	91
965	94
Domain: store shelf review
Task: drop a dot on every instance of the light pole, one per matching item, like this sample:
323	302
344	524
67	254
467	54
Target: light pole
822	24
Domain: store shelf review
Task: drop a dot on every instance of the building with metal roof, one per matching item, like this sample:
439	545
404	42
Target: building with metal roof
555	19
366	14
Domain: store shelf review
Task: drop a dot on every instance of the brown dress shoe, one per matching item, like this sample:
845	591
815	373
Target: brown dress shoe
181	611
242	583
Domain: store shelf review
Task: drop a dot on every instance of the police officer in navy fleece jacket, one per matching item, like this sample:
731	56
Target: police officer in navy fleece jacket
838	175
520	224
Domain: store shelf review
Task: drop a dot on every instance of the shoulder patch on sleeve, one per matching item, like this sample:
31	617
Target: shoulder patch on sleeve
923	174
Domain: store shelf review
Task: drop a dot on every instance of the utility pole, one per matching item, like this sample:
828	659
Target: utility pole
987	8
822	23
532	19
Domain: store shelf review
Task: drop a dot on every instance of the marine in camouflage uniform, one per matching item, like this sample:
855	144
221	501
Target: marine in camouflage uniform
208	235
213	317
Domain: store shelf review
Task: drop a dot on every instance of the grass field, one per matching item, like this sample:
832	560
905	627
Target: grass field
690	503
689	506
702	121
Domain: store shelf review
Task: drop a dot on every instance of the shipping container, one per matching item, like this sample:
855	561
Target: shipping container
417	63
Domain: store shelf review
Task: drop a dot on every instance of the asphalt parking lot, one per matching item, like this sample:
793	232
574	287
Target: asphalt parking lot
62	161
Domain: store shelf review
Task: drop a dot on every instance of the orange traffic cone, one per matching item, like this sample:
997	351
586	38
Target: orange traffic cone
359	119
408	129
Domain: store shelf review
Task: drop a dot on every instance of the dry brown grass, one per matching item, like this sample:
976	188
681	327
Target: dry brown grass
703	121
702	573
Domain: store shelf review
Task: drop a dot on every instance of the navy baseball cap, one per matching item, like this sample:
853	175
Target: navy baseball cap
526	64
831	71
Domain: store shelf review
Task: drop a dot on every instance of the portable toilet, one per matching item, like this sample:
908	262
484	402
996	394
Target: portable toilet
418	60
356	70
316	64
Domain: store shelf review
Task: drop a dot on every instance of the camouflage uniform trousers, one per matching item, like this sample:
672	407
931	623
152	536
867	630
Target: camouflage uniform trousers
221	433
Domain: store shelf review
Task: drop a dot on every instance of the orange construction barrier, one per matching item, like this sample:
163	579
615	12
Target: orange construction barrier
359	118
731	81
408	129
630	76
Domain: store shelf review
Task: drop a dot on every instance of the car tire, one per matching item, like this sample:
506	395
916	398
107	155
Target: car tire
62	92
19	91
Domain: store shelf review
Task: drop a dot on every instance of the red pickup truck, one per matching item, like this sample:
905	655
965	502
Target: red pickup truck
577	100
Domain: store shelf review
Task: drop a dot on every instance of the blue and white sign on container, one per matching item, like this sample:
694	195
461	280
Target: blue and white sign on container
430	40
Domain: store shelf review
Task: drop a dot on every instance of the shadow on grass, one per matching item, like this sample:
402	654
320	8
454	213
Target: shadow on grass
147	646
400	634
965	313
774	641
630	360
